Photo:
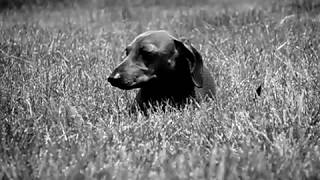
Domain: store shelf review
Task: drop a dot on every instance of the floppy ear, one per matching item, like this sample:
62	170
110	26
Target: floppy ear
194	60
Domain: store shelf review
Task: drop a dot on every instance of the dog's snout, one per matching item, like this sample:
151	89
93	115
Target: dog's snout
114	79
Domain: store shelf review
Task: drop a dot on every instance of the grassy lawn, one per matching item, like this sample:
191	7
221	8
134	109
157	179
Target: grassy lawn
61	119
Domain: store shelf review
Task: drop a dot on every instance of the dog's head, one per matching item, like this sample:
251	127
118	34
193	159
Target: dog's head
155	55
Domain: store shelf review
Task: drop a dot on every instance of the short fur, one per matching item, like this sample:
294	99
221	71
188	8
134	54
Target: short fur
166	70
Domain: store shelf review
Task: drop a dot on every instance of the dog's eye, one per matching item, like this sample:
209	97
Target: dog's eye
147	54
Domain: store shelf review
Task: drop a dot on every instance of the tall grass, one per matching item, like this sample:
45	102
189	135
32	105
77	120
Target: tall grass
60	119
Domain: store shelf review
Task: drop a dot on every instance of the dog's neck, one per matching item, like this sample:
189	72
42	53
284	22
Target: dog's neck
177	89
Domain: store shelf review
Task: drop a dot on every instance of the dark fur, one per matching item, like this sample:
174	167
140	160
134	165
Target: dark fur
166	69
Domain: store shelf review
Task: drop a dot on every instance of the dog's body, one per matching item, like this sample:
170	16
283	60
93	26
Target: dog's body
166	69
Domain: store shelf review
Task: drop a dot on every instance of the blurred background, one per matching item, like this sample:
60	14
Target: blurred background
287	5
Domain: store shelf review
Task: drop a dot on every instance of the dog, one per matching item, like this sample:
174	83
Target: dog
167	71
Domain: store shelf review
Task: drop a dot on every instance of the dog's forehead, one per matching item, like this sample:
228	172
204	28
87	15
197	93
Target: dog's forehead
161	39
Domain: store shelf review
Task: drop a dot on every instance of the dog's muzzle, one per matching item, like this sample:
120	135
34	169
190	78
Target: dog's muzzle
117	81
129	83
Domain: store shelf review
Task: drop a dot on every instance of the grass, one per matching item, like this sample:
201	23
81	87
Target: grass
60	119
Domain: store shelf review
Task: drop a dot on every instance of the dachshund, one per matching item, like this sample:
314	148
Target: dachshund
167	71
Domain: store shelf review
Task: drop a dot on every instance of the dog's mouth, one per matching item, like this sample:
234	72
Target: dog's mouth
134	83
123	86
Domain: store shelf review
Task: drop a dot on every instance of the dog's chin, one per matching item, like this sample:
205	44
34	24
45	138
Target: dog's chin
124	87
130	86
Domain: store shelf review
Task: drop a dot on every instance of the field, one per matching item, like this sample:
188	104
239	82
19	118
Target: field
61	119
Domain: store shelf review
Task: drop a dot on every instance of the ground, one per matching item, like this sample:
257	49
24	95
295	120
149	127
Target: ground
61	119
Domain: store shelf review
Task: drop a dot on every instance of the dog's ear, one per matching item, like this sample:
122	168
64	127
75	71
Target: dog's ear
194	60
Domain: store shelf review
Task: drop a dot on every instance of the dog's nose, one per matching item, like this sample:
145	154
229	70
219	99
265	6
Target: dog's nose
113	79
